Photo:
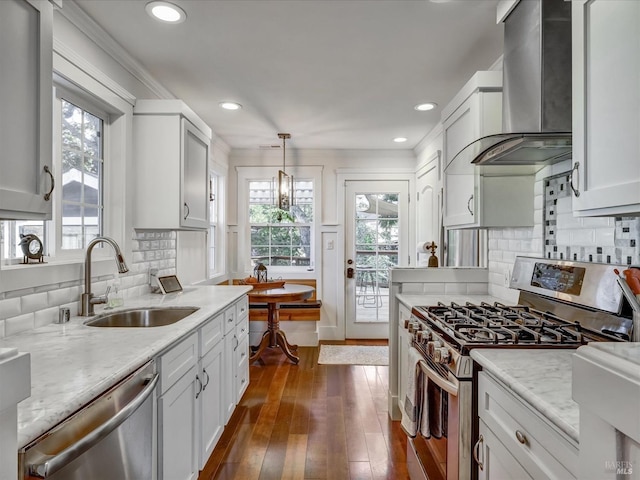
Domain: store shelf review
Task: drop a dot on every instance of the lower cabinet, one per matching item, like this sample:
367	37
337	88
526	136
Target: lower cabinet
202	379
177	412
515	441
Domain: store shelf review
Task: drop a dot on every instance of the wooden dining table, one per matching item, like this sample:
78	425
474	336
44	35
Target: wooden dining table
274	337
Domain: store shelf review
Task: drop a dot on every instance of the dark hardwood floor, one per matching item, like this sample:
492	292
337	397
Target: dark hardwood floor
311	421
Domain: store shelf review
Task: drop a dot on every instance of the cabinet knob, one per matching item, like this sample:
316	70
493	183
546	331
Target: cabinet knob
522	438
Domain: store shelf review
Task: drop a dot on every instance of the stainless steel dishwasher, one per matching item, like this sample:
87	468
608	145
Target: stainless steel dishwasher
110	438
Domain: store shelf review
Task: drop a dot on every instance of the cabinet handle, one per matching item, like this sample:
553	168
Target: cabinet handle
199	386
237	343
469	204
187	207
204	387
522	438
476	449
576	192
47	196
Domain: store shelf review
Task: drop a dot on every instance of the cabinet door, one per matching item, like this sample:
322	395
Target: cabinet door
26	41
177	430
241	368
210	402
429	205
195	177
495	461
403	364
606	106
478	116
229	393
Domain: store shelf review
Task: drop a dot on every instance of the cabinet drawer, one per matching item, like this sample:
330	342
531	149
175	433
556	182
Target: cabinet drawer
229	319
242	309
242	328
542	450
211	333
242	351
177	361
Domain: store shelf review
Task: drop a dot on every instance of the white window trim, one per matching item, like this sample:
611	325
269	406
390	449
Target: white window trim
118	218
253	173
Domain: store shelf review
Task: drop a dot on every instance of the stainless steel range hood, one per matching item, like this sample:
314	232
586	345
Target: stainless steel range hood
536	102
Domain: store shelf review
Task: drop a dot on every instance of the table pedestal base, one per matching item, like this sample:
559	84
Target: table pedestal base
274	337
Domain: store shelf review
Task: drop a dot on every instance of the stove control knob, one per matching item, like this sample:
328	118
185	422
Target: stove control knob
432	346
441	355
426	336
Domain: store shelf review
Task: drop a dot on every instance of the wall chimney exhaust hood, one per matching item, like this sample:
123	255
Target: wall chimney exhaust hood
536	97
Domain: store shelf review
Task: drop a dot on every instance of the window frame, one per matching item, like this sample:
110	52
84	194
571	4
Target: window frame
118	222
86	103
312	173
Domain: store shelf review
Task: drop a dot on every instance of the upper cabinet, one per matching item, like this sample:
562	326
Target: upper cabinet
606	107
472	198
171	155
26	41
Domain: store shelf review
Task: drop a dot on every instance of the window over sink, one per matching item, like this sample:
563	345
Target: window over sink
79	169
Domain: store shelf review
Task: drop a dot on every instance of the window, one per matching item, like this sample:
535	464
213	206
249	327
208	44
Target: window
78	204
278	237
82	176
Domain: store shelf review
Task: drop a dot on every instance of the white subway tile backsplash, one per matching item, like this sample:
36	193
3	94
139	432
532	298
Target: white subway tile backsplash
433	288
34	302
22	310
9	307
19	324
45	317
455	288
605	237
583	238
477	288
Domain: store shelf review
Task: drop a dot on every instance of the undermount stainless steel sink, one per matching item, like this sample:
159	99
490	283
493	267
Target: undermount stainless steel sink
141	317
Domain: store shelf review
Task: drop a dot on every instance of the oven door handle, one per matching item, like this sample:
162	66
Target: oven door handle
449	387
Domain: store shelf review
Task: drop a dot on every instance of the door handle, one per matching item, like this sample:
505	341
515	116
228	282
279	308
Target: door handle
350	272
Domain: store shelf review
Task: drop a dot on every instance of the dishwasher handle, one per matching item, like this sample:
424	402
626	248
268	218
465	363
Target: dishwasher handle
57	462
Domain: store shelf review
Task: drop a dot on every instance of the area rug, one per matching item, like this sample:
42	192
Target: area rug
353	355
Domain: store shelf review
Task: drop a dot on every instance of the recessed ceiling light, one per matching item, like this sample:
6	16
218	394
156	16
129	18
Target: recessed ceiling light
400	139
424	107
230	105
166	12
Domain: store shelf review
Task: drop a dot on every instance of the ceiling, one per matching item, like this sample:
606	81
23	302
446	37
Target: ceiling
336	74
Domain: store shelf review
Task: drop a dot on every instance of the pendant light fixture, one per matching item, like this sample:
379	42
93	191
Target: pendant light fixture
285	182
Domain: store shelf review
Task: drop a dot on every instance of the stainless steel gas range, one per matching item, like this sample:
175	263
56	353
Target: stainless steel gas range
561	305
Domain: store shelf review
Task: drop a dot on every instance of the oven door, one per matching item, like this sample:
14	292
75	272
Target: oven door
448	457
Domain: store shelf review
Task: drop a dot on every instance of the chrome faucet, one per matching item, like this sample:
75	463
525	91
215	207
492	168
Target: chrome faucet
88	300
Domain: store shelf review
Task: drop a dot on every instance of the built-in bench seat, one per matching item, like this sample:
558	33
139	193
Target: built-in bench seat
305	310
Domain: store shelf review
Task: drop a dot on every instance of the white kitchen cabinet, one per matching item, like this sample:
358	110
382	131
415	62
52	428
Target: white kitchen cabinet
429	205
516	440
475	198
606	107
26	46
200	384
210	401
177	412
236	344
494	459
171	155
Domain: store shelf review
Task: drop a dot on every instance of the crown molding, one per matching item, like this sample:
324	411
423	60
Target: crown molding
98	75
72	12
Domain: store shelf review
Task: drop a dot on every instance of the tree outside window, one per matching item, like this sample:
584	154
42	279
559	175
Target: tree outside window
279	237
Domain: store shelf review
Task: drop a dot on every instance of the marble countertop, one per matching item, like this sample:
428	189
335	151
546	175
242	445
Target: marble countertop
542	377
72	363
